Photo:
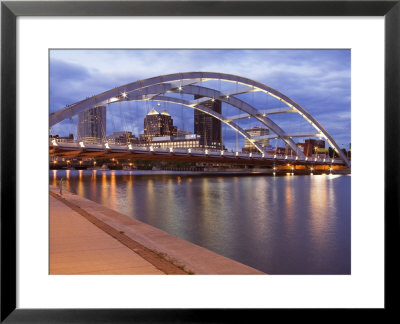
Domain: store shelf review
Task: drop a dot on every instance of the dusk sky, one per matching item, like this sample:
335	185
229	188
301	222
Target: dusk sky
318	80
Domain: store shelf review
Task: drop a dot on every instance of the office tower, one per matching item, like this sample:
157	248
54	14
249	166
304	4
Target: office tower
208	127
256	131
158	124
92	125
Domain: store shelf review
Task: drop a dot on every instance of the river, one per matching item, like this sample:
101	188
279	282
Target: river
279	225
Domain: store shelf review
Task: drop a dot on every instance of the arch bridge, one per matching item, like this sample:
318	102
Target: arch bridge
161	88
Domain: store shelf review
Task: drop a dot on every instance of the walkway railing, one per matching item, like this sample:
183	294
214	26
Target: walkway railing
129	148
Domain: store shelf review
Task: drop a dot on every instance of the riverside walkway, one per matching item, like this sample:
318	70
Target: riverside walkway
89	238
77	246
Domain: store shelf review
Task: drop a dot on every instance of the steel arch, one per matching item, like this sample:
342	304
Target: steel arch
115	94
208	94
201	108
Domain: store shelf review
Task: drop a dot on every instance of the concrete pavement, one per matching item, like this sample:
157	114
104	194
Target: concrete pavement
89	238
79	247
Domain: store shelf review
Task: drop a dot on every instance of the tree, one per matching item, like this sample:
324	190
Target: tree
332	153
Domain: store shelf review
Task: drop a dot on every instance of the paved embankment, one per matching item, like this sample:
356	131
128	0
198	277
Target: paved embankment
89	238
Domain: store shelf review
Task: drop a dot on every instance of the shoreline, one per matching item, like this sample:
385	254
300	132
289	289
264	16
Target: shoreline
258	172
161	249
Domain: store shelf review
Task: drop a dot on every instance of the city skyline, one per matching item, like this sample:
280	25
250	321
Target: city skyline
319	80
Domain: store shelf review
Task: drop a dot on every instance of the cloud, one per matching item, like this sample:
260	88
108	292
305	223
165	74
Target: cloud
318	80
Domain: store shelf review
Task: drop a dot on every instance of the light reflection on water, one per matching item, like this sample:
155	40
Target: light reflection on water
280	225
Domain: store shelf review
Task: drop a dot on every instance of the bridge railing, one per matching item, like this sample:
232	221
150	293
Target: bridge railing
117	148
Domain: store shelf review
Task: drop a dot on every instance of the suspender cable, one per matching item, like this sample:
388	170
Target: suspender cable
123	120
103	128
182	111
252	103
236	148
112	117
131	114
237	135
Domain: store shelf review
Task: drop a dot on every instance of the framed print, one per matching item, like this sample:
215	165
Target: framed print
111	88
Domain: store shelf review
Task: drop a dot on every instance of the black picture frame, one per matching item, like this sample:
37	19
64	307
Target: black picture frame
10	10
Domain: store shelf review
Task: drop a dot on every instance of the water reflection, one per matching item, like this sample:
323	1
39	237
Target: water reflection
80	189
280	225
129	187
289	215
320	206
150	202
54	180
104	189
67	183
93	184
113	198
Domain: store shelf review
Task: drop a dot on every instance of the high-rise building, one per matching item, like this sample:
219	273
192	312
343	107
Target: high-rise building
158	124
92	125
311	144
256	131
208	127
122	138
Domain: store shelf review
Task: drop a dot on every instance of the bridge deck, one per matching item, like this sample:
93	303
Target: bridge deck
70	150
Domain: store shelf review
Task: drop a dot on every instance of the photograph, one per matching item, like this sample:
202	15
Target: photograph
250	145
199	161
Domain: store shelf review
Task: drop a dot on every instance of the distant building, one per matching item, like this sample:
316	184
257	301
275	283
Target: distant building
181	133
278	151
158	124
66	139
92	125
300	146
290	152
310	146
122	138
208	127
187	141
256	131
